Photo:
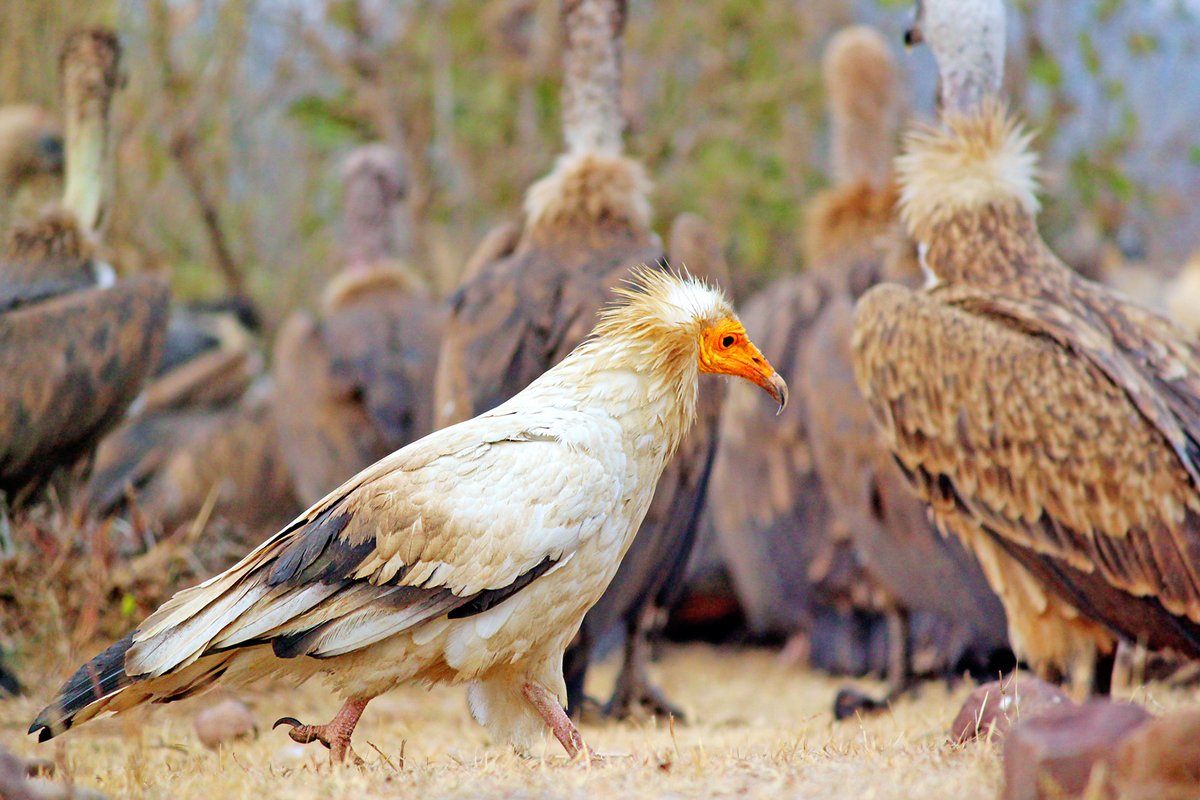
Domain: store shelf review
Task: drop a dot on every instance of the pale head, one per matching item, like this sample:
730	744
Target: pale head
967	39
677	323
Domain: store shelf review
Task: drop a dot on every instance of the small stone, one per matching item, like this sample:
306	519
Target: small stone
996	706
1160	760
1053	754
224	722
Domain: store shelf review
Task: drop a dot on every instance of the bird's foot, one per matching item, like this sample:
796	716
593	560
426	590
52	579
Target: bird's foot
335	734
851	703
634	694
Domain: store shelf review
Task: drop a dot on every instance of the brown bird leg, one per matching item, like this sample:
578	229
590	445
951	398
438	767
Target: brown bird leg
850	702
634	689
551	711
335	734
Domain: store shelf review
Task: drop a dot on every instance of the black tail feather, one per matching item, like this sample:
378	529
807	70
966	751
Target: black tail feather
96	679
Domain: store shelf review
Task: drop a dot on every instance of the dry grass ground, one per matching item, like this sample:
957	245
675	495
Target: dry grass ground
757	729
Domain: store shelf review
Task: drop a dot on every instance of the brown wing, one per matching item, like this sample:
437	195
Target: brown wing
774	525
72	366
1006	431
890	528
354	386
519	316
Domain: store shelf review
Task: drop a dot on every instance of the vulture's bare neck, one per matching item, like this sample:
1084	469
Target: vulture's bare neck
374	183
90	69
592	119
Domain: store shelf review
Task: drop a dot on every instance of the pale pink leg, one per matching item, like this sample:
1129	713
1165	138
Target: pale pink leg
551	711
334	734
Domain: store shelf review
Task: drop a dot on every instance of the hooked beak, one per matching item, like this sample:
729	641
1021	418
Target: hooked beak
776	386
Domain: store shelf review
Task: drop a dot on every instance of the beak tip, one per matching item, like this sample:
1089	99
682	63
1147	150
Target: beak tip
778	389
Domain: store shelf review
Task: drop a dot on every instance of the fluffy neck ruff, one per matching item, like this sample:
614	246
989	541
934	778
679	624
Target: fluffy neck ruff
351	285
587	190
974	160
653	331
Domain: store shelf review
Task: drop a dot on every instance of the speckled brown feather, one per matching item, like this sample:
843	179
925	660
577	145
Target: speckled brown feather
103	342
356	384
1049	423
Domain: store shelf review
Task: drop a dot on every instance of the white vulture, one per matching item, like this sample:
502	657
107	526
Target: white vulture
469	556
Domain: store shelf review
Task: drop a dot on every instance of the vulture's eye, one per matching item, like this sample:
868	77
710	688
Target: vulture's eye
727	341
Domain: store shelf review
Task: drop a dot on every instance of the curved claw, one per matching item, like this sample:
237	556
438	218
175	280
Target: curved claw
303	734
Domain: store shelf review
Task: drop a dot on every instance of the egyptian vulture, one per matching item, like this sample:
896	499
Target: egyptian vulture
1050	424
76	344
469	556
519	313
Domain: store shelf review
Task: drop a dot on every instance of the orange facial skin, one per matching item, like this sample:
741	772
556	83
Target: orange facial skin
725	349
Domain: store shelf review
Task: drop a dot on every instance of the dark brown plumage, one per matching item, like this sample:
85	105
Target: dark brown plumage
793	561
75	344
586	225
1050	424
357	383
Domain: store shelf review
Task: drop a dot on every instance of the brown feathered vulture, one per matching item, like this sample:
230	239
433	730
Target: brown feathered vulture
30	144
469	556
792	560
585	225
853	233
1051	425
357	383
75	343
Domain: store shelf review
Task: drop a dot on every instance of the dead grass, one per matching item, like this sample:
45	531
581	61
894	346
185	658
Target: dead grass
758	729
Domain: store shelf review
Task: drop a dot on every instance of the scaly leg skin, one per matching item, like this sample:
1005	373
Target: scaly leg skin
634	689
335	734
548	707
851	702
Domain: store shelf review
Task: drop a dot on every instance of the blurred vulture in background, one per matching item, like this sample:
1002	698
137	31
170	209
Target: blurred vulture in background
357	383
530	295
789	514
1050	424
852	231
202	445
76	343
